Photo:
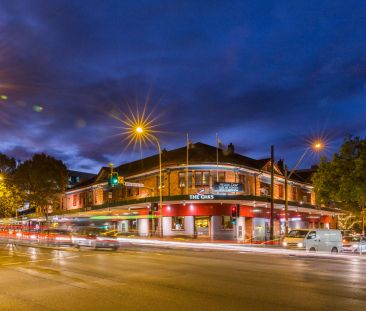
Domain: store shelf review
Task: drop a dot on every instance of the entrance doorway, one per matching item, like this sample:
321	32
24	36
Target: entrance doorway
202	226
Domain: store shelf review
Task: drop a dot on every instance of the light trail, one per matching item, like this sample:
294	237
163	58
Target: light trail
240	248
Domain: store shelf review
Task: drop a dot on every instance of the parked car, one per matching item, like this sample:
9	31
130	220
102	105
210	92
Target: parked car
295	239
324	240
94	238
354	244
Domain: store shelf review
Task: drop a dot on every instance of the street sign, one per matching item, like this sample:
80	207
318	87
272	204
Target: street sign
134	184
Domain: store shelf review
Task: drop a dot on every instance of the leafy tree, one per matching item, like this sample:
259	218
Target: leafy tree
43	178
342	180
7	165
11	198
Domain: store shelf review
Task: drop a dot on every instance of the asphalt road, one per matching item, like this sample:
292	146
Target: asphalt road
149	278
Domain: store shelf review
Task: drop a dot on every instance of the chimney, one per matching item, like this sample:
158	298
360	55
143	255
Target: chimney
281	165
164	154
230	149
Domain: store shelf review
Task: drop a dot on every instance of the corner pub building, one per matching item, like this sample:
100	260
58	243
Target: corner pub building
198	199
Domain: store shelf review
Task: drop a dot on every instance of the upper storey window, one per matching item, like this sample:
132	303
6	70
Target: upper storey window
202	178
221	176
280	191
183	179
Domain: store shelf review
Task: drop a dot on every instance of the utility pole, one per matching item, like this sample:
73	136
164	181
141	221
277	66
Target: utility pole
286	200
271	232
363	219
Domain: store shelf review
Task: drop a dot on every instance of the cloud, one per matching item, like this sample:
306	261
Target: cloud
258	73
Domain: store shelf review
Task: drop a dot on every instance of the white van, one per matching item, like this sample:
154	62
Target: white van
324	240
314	240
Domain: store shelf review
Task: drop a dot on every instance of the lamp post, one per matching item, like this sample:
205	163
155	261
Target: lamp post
317	146
140	131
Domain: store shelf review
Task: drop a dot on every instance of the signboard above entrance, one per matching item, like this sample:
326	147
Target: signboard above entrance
228	187
201	196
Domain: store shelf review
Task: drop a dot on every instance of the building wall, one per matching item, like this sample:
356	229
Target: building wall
171	187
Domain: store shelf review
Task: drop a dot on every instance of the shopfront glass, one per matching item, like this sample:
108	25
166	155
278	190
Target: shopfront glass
202	226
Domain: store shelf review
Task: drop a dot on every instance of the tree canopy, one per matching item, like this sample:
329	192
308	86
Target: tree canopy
43	179
11	198
7	164
342	180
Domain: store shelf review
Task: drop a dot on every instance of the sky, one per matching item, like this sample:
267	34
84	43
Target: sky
255	72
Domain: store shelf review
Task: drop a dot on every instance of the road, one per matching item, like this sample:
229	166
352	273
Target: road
150	278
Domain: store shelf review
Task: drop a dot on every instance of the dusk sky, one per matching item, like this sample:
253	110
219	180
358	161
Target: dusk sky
255	72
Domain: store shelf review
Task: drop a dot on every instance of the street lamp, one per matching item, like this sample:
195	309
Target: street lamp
317	146
140	128
140	131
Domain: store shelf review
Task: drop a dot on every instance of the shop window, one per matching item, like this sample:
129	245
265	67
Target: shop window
280	191
129	192
74	198
202	179
221	176
178	223
182	179
226	222
132	225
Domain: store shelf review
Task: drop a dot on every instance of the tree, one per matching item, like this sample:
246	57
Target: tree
7	165
43	179
11	198
342	180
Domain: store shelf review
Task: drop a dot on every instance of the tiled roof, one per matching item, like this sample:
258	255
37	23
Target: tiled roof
304	175
199	153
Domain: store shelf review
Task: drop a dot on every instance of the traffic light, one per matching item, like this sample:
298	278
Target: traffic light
113	179
233	212
154	207
121	180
